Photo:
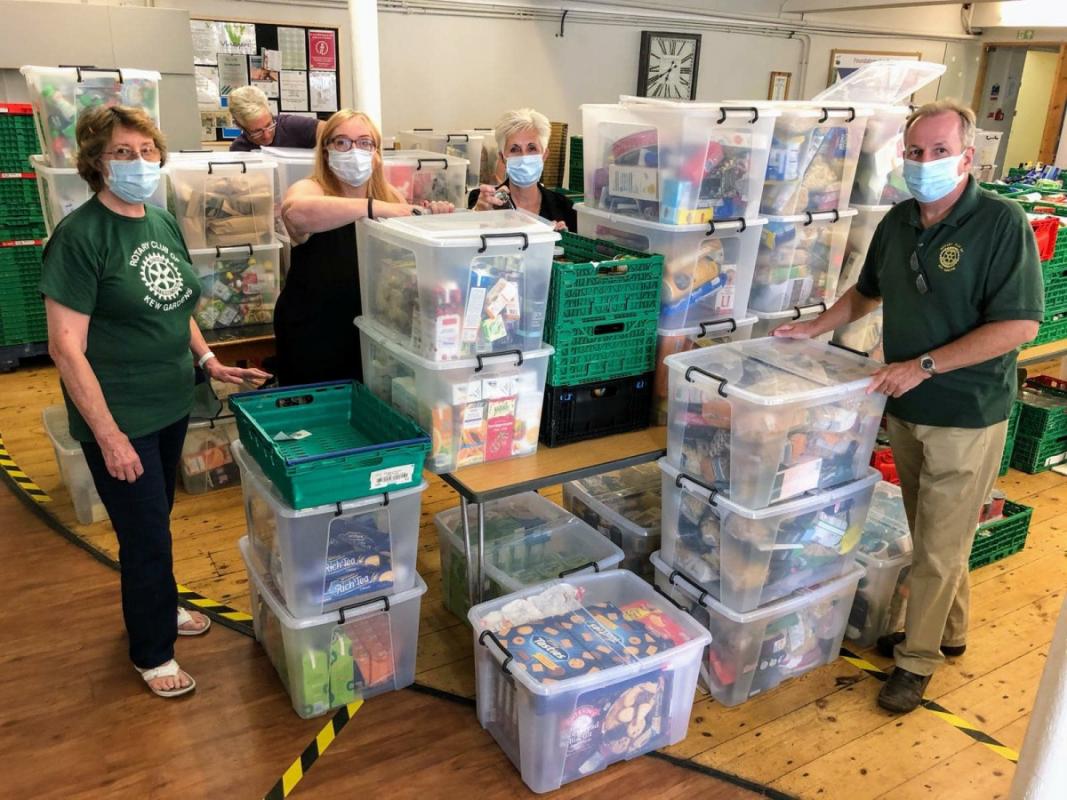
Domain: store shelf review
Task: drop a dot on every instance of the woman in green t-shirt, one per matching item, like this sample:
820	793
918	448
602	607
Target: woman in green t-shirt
119	294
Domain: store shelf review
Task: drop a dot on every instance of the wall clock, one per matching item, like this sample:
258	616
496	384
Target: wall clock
668	65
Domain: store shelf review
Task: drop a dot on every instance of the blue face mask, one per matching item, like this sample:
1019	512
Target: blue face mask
929	181
133	181
525	170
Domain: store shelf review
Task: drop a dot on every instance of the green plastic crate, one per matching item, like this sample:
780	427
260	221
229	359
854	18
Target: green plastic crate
358	446
1055	299
1043	208
1033	454
20	257
1044	411
1009	439
19	282
21	231
599	280
1051	330
602	351
1001	538
18	196
576	178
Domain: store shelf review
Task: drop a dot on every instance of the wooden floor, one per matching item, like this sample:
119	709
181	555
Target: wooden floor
817	736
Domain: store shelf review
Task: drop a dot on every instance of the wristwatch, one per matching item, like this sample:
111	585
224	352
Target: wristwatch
926	363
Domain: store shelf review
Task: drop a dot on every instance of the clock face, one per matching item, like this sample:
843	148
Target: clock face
671	67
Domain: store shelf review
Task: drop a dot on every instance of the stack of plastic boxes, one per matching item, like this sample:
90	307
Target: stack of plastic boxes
424	176
73	469
683	180
766	488
22	231
472	145
454	312
602	316
333	526
224	204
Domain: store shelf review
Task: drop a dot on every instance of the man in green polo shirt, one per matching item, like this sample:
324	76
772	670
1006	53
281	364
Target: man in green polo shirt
957	274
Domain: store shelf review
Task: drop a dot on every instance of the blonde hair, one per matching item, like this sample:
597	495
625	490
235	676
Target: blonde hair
94	132
522	119
247	103
948	105
377	187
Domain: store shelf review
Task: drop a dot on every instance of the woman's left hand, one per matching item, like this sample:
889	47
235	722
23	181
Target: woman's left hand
438	206
237	375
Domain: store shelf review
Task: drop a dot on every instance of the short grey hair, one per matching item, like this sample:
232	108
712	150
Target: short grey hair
948	105
247	103
522	119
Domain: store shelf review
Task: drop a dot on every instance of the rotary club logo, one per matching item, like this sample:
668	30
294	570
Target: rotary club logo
949	256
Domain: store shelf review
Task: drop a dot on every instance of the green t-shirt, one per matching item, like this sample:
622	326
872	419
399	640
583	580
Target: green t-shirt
132	277
981	265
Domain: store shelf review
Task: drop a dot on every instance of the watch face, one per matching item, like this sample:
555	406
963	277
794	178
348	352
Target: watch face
927	363
671	70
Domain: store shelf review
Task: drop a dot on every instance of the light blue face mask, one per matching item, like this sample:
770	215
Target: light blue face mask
133	181
525	170
929	181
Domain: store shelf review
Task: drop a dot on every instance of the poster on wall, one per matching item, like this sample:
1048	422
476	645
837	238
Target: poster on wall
272	60
844	62
205	42
323	91
294	90
236	37
293	47
264	79
207	87
322	47
233	72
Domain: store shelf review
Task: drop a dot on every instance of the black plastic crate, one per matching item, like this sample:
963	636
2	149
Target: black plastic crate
591	410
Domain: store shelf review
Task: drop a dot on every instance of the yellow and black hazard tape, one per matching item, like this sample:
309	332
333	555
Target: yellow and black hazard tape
292	776
20	478
213	607
938	710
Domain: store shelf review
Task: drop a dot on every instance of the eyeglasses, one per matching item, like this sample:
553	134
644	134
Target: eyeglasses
921	282
258	132
342	144
122	153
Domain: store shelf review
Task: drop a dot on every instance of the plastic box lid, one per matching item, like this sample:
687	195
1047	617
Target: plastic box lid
618	583
625	481
838	112
718	226
814	216
88	72
888	82
57	427
797	312
39	164
413	157
794	602
302	155
725	110
862	209
467	228
779	371
228	162
348	614
459	135
235	249
720	327
506	357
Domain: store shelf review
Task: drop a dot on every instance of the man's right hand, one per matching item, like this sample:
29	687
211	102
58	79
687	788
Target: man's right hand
796	330
121	459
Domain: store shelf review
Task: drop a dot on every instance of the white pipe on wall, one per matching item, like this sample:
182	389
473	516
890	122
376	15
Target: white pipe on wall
366	67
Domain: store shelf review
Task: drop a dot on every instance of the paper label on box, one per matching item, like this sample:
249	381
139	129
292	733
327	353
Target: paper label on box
799	479
499	388
446	338
638	183
392	476
463	393
829	530
472	317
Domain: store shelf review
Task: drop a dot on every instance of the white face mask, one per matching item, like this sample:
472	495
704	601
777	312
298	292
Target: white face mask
354	167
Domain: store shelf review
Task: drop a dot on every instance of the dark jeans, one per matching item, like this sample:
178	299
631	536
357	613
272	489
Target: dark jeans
140	514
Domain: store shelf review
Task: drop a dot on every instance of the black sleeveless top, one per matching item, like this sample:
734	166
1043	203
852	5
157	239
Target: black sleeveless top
313	329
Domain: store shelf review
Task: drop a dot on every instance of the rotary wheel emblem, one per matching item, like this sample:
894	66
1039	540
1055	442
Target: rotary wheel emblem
161	277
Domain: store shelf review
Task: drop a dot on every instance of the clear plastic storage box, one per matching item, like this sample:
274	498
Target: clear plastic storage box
73	470
799	260
207	461
747	558
465	144
330	660
885	553
575	675
528	540
294	164
864	335
707	269
753	651
62	190
860	234
766	420
223	202
60	95
422	175
324	558
476	410
451	286
767	323
625	506
677	163
238	285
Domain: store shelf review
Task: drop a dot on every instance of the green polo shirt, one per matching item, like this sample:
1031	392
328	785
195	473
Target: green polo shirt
981	266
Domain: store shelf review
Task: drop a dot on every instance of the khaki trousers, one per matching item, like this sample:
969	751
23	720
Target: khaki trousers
946	474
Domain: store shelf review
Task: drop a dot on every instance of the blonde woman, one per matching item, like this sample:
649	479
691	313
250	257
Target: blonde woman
522	138
261	128
314	334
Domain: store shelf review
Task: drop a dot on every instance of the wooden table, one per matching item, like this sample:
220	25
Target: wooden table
479	484
244	345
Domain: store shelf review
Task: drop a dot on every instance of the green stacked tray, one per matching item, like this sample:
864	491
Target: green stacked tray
1044	408
18	140
1033	455
22	230
1051	330
340	442
602	351
22	317
1009	440
576	177
1001	538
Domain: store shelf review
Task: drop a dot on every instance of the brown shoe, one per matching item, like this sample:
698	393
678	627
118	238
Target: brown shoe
903	692
886	644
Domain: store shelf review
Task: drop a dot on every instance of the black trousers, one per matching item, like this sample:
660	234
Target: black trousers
140	514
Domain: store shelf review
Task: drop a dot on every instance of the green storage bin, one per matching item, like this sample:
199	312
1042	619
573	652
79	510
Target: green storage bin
1033	454
358	445
19	198
1009	440
20	257
1001	538
602	350
1051	330
576	177
22	231
1044	411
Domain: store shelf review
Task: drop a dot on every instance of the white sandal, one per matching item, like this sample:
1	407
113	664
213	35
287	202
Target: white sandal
168	670
184	618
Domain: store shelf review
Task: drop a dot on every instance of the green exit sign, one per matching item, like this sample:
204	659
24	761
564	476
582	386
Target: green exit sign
1028	34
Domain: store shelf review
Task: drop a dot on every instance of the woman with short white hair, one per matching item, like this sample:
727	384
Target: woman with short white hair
522	138
260	128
